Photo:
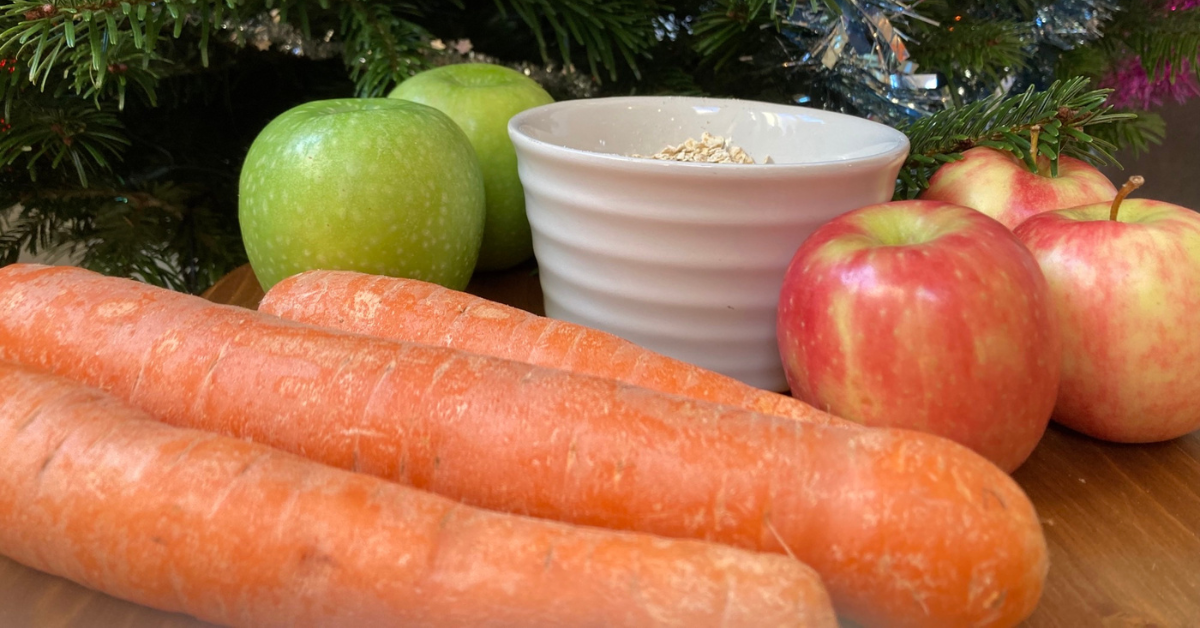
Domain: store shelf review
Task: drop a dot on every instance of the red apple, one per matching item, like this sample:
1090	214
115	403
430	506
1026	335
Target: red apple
1127	295
998	184
923	315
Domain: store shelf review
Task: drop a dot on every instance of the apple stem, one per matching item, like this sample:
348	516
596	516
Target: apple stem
1035	131
1132	184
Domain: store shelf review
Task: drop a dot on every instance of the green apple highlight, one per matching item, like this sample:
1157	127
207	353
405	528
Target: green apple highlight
482	98
378	185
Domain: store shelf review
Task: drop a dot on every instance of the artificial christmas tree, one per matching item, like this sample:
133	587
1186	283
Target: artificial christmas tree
125	123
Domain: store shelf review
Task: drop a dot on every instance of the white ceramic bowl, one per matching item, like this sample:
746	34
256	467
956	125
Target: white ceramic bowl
687	259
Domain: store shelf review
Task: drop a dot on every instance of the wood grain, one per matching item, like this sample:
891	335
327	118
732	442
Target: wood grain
1122	522
1123	525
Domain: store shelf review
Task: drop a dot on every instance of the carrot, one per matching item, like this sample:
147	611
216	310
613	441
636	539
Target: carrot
426	313
906	529
242	534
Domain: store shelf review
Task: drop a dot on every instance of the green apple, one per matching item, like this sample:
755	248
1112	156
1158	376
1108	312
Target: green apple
481	98
376	185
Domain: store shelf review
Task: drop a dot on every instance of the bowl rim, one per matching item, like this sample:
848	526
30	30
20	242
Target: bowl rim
623	162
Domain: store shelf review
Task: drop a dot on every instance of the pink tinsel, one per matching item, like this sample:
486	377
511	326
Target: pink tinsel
1183	5
1133	89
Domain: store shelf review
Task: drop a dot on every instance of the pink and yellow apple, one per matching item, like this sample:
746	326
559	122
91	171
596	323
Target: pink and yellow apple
1127	295
927	316
998	184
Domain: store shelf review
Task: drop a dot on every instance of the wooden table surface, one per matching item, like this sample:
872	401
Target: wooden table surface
1122	523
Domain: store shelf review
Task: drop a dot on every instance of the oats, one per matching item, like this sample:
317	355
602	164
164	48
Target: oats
712	149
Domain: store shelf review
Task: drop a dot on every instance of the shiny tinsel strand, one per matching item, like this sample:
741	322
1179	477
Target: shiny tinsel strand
1067	24
267	31
853	59
563	83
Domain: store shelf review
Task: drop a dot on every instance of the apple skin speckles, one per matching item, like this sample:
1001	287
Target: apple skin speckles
1127	296
481	98
384	186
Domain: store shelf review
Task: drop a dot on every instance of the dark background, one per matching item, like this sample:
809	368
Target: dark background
1172	170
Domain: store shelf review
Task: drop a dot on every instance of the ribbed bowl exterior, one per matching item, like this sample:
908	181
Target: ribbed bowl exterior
686	261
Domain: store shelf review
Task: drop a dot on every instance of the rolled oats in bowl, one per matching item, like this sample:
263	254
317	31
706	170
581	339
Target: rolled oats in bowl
712	149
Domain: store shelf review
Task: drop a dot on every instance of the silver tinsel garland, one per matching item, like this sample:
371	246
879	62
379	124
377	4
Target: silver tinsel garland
1070	23
561	82
855	59
268	32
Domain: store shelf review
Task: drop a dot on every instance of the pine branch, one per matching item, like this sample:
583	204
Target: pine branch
48	134
106	46
1064	112
100	45
1088	60
730	26
47	231
605	29
1136	134
382	48
161	234
155	236
969	48
1167	41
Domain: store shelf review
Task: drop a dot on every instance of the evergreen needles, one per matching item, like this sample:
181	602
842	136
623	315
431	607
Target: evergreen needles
1063	112
382	48
1166	40
124	123
604	30
71	133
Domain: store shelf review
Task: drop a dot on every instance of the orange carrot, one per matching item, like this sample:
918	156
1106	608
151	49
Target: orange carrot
426	313
906	529
242	534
